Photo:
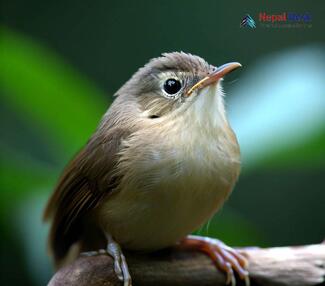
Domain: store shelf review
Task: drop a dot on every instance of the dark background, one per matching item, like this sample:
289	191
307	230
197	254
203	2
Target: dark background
61	62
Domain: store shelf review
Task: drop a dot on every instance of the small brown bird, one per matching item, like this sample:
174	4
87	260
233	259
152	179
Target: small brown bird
162	161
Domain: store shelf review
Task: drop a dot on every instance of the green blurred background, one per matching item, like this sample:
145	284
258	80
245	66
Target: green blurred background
61	62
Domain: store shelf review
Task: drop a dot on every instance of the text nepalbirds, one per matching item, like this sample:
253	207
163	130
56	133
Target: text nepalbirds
284	17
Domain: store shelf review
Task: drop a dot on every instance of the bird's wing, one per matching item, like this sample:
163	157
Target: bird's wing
85	182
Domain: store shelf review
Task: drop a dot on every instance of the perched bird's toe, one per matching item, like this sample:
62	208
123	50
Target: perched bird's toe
226	258
93	253
120	266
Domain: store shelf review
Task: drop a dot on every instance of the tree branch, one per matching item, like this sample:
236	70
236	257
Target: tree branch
285	266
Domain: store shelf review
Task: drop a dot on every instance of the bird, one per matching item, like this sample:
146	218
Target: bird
162	161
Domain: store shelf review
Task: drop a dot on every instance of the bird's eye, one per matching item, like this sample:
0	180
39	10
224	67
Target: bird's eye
172	86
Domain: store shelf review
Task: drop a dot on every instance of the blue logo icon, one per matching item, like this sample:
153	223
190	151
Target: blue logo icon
248	21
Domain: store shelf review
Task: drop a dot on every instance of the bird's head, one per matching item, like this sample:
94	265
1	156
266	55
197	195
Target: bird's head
174	84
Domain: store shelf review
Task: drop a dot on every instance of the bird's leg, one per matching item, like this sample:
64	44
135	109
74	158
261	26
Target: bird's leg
226	258
120	266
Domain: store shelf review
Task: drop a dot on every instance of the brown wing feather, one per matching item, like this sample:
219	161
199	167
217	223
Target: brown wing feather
87	179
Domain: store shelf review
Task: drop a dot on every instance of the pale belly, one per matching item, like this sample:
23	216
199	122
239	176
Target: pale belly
168	207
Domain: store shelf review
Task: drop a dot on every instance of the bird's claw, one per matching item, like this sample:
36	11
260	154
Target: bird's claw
120	266
93	253
226	258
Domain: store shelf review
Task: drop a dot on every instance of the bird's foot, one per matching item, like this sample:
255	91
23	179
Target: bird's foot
120	266
226	258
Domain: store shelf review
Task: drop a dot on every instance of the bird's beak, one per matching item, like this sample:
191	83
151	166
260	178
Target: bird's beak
219	73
